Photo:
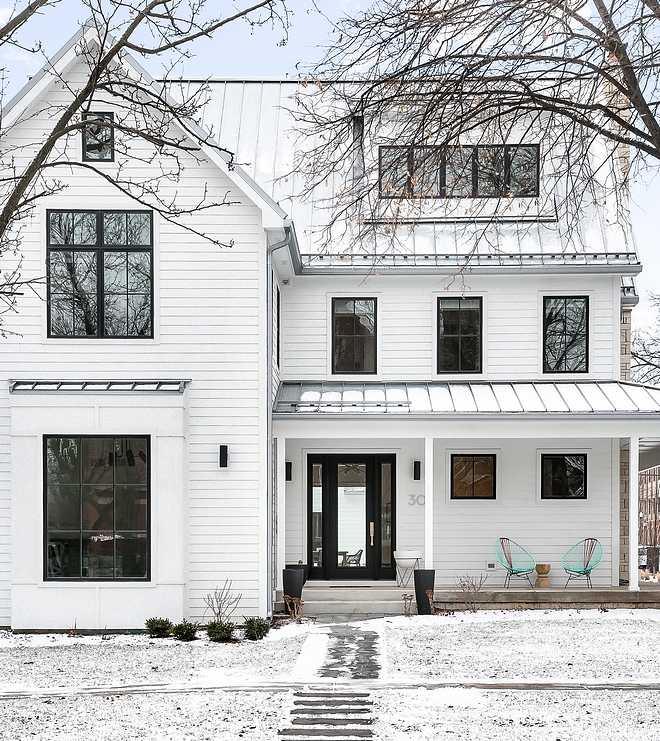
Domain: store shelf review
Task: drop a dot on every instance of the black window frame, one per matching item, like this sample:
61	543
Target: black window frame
96	115
99	248
472	498
479	370
566	495
409	190
46	531
375	336
546	366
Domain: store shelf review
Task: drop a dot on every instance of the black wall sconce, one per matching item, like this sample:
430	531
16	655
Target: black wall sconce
288	476
417	470
224	456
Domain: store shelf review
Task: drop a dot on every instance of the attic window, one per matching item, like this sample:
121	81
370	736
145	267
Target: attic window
496	171
98	138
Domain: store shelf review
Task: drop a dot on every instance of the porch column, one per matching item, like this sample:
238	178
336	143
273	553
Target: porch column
280	523
428	503
633	515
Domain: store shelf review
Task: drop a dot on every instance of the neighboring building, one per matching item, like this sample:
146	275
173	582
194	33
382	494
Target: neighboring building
144	464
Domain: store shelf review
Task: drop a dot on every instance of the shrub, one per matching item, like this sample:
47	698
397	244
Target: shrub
256	628
158	627
185	631
220	631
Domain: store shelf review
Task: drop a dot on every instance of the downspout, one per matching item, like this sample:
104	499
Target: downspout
269	413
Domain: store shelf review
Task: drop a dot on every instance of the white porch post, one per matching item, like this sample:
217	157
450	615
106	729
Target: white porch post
428	503
281	509
633	515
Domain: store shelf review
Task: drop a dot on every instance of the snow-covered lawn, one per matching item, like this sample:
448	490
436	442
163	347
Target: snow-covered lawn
492	646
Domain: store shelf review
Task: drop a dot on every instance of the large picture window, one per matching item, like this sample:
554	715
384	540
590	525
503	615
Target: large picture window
496	171
473	477
565	322
100	274
353	335
564	476
459	335
96	507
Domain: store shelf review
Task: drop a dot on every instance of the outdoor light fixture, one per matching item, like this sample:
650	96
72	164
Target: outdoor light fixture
417	470
224	456
289	471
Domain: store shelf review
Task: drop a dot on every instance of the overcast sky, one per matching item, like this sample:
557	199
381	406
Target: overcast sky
240	51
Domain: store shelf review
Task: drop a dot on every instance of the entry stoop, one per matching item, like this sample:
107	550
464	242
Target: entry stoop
340	602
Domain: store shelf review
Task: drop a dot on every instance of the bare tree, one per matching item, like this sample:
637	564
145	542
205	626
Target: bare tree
143	111
645	351
430	80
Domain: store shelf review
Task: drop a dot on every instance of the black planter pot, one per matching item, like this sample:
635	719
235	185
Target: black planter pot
292	582
424	579
303	566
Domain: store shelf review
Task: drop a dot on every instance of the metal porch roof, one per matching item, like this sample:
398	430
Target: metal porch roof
465	399
97	387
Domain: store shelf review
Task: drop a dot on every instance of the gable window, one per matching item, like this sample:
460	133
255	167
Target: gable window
459	335
473	477
564	476
565	334
353	335
100	274
96	507
497	171
98	138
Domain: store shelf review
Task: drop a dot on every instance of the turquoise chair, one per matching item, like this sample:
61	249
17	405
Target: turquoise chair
515	559
582	559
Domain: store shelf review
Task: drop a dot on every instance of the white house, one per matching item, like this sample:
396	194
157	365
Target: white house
176	414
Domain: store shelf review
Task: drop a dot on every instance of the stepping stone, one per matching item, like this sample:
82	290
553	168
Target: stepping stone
331	721
332	703
335	733
330	711
332	695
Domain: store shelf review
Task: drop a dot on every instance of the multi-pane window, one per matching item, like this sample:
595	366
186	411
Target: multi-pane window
565	322
459	335
353	335
97	507
564	476
98	137
497	171
473	477
100	274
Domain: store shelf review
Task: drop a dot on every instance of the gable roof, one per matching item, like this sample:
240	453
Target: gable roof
272	214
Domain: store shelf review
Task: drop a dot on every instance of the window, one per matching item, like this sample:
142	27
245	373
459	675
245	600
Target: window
353	335
498	171
564	476
98	138
99	274
459	335
473	477
96	507
565	334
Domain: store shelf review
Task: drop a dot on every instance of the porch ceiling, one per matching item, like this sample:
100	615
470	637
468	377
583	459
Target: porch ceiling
611	399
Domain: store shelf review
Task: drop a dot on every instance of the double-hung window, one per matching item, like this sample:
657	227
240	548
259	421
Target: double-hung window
96	507
565	334
100	281
459	335
353	335
494	171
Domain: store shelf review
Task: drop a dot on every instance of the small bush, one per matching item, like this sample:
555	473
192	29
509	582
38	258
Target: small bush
220	631
256	628
158	627
185	631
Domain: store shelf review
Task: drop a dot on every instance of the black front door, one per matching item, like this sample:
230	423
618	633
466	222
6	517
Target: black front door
350	516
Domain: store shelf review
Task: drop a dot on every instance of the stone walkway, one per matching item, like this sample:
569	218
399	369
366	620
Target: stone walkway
351	654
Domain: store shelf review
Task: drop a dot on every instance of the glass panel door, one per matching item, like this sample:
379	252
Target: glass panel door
351	514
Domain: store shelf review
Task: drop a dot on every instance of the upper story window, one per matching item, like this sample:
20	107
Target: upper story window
565	345
353	335
97	507
98	137
564	476
100	274
497	171
459	335
473	477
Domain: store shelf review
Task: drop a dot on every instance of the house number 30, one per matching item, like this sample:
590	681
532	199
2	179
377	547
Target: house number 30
420	499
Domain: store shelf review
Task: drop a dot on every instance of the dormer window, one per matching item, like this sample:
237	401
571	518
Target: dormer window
497	171
98	138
